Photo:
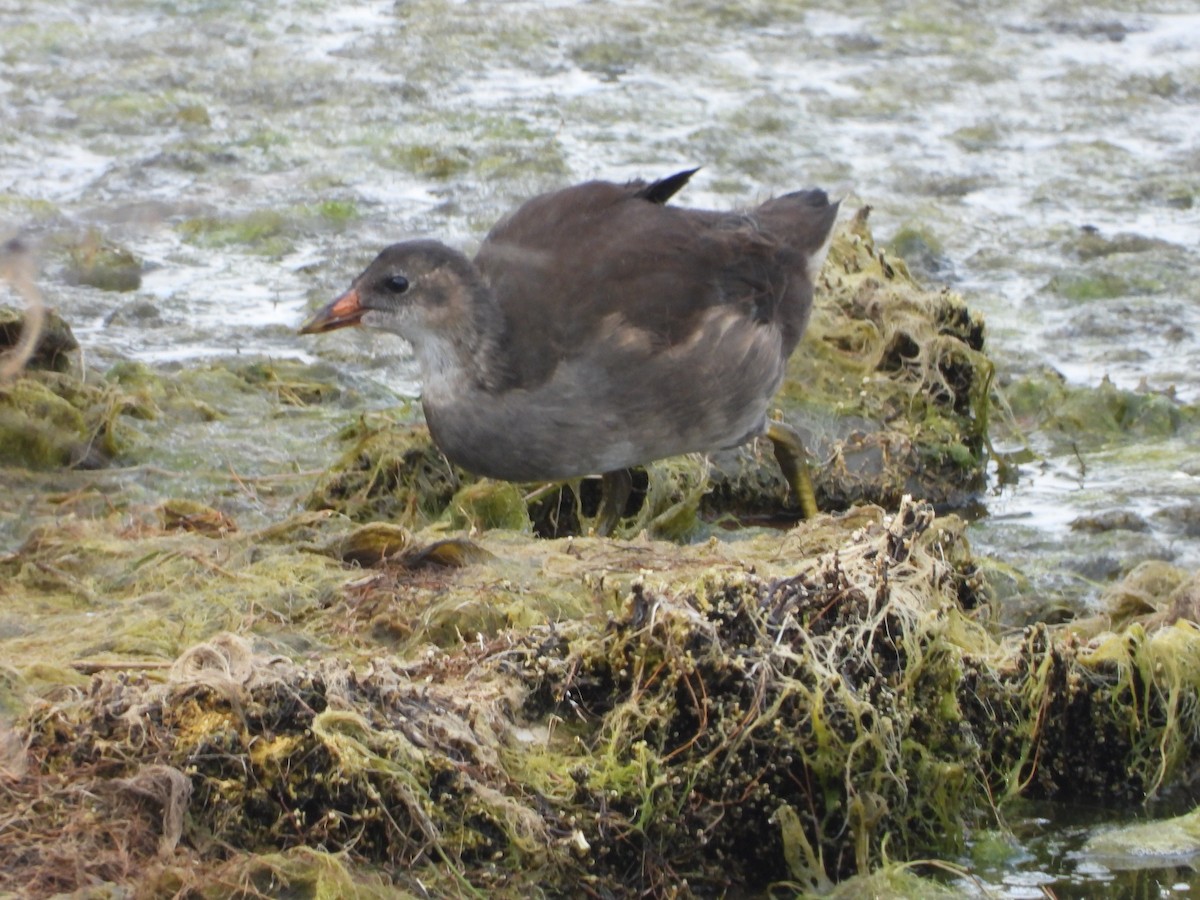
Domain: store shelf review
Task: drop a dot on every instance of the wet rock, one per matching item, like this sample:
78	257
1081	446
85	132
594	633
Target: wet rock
143	313
922	252
1184	519
1089	243
1166	842
179	514
1110	520
1074	418
370	544
99	263
1100	568
55	341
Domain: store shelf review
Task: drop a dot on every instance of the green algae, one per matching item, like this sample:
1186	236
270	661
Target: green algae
907	366
29	209
99	263
891	882
453	36
261	231
480	813
810	702
486	505
1070	417
1143	844
338	212
1100	285
920	249
430	162
49	420
1089	243
788	710
390	471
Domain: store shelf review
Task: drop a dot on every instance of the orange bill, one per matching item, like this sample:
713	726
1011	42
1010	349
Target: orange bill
342	312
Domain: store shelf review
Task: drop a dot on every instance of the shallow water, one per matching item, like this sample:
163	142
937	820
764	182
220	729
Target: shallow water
255	155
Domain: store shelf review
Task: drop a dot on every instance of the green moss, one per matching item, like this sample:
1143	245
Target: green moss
263	231
1086	418
429	161
338	212
38	428
489	504
1080	286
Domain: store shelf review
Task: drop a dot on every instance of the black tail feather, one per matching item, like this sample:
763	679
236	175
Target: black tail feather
665	188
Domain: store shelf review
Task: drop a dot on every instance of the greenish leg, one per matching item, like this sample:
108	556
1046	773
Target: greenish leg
615	488
793	460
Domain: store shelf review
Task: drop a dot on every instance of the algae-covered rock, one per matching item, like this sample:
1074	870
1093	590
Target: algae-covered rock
921	250
99	263
190	515
49	419
390	471
1147	844
787	708
294	383
370	544
1155	593
1072	418
55	341
894	381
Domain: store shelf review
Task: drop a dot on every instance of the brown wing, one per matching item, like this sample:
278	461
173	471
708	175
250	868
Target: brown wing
565	263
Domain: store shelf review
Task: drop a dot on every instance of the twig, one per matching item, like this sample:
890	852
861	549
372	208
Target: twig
16	267
91	667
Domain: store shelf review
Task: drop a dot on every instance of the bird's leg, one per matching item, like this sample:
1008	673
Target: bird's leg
615	488
793	460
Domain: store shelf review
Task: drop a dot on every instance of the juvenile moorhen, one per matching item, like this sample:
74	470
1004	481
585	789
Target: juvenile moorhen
599	328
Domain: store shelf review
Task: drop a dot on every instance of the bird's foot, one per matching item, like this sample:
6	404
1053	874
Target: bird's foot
793	460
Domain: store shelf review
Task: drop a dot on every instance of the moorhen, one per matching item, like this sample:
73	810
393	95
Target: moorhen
599	328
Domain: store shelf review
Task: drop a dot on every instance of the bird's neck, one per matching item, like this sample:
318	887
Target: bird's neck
466	359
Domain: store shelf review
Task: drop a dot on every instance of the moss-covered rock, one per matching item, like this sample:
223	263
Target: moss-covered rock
51	419
1073	417
780	709
55	341
98	262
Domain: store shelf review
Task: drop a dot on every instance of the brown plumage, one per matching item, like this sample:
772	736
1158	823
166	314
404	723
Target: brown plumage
598	327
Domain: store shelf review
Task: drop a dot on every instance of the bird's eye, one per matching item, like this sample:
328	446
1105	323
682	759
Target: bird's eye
396	284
